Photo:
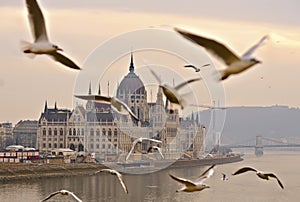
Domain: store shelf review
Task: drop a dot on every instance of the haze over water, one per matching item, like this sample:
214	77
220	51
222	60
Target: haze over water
159	186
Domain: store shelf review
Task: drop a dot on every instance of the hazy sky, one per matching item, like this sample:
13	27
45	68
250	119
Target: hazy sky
80	26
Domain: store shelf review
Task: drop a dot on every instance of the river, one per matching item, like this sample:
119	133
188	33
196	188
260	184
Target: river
159	186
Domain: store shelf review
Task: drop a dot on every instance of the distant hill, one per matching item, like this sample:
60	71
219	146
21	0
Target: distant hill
242	124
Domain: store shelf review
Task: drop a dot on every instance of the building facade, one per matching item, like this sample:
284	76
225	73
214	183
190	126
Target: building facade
95	127
24	133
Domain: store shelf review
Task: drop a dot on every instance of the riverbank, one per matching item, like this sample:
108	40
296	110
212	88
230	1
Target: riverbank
22	171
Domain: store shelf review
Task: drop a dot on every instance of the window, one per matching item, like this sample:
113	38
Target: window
97	146
55	145
44	131
82	131
70	131
98	132
49	131
109	132
55	131
92	132
61	145
103	132
49	145
74	132
44	145
92	146
115	132
61	132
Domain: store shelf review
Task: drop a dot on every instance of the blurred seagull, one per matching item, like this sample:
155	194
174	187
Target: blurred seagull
41	43
155	148
116	104
224	177
234	63
140	140
120	177
197	69
62	192
260	174
172	92
197	185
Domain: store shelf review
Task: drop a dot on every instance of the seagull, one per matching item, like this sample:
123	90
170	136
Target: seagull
172	92
197	185
116	104
156	149
260	174
196	68
140	140
62	192
119	175
234	63
224	177
41	43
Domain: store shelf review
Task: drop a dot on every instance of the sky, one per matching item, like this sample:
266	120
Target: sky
79	27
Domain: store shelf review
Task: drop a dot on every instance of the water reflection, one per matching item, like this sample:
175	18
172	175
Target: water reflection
159	186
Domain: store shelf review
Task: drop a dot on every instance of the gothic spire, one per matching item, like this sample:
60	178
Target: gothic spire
99	90
55	106
90	89
131	67
46	107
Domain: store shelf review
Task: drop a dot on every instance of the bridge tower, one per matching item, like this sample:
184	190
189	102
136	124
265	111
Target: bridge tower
259	146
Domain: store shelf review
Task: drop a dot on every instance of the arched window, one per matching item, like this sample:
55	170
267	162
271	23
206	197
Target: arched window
78	132
44	131
72	146
92	132
74	132
98	132
80	147
70	132
115	132
55	145
61	145
103	132
49	132
55	131
61	132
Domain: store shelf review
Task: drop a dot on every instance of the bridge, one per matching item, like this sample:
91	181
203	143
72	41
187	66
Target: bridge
262	142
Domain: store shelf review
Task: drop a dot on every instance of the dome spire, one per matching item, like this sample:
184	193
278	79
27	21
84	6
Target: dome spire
99	89
90	89
131	67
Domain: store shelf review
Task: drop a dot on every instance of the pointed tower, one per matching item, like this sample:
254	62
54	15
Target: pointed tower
55	106
46	107
159	98
131	66
99	90
90	88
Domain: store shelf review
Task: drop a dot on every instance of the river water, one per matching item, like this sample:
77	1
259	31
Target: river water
159	186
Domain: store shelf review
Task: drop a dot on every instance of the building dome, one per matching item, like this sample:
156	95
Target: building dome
131	83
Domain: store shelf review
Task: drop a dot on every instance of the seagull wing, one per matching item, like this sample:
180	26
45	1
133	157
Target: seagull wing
64	60
192	66
159	150
119	175
214	47
242	170
97	98
153	140
76	197
186	182
253	48
127	109
186	82
205	175
50	196
274	176
36	20
132	148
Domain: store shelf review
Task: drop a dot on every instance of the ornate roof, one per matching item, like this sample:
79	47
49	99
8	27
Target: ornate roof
131	83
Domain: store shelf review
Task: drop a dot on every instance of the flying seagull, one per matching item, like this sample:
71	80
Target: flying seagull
62	192
197	69
172	92
41	43
260	174
197	185
116	104
119	175
224	177
155	148
235	64
140	140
